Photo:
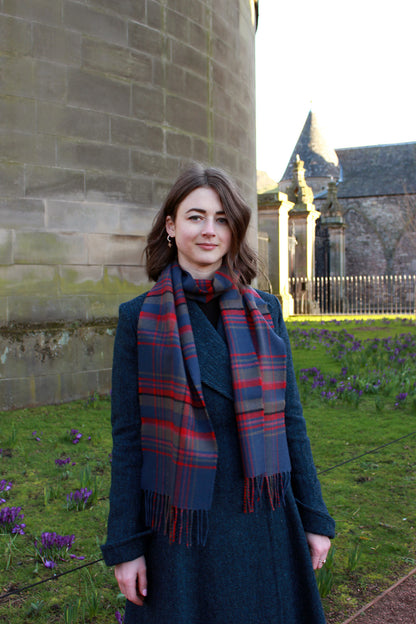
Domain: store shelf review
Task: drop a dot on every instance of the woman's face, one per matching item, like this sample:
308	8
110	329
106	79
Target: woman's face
201	231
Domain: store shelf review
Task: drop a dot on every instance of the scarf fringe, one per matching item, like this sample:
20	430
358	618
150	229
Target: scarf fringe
265	489
181	525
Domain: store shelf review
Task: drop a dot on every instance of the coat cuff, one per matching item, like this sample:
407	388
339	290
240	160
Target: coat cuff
315	521
125	550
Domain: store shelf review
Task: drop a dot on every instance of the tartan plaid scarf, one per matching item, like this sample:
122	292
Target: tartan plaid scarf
178	440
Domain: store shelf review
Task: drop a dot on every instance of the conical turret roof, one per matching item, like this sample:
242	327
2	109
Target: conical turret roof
321	160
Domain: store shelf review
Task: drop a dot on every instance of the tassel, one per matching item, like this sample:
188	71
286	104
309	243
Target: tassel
180	525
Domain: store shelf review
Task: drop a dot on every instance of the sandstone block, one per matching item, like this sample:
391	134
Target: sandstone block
63	46
154	165
144	39
81	280
98	92
27	148
137	221
44	11
109	249
190	58
11	181
15	36
47	308
72	216
109	188
136	133
49	81
17	113
6	247
91	21
16	76
72	122
92	156
45	182
147	103
22	214
130	8
178	144
119	61
31	280
50	248
190	117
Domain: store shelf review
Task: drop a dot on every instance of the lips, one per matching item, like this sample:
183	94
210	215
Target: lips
207	246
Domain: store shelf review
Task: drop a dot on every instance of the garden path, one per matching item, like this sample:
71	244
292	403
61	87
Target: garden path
396	605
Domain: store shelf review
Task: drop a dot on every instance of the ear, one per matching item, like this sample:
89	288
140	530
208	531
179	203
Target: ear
170	226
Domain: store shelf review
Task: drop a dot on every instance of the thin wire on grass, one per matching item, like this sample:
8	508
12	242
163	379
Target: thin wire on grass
13	592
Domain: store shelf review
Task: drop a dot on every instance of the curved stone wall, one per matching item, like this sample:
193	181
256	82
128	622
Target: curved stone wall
101	104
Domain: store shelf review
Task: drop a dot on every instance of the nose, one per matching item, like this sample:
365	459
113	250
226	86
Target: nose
209	227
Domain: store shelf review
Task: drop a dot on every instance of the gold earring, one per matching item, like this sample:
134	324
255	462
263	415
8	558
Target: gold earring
169	241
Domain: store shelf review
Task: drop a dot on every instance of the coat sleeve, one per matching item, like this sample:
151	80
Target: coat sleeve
125	525
305	484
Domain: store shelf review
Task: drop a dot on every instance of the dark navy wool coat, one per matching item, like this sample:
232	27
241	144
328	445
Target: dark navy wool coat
255	567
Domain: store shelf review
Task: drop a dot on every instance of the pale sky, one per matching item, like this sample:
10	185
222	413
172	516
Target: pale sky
351	62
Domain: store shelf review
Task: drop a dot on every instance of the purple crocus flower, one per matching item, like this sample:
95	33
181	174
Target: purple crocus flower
119	617
10	520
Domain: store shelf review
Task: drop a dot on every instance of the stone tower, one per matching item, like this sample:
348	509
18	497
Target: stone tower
101	104
320	160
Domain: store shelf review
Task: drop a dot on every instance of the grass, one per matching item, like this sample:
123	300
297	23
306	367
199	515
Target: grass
372	499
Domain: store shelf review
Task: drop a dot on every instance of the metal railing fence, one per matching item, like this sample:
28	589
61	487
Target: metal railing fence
355	294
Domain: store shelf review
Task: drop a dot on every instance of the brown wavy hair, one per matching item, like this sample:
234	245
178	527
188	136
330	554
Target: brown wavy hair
240	260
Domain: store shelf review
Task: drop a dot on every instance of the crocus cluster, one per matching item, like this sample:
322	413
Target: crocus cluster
78	499
5	486
54	547
63	462
36	436
75	436
10	518
400	399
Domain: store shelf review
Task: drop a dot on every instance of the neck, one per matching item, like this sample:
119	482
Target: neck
200	273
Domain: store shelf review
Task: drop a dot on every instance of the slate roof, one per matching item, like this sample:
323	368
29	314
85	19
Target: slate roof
377	170
321	160
361	171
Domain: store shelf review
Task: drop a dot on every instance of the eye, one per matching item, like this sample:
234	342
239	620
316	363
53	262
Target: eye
195	217
222	220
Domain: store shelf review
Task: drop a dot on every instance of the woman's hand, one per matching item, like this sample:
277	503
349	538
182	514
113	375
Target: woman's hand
132	580
319	546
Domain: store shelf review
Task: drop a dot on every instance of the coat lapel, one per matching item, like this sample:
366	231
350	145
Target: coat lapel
212	350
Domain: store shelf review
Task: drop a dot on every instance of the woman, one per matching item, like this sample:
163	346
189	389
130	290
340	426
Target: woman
216	514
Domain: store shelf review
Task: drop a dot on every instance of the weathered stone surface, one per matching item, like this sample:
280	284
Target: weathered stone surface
29	148
20	279
136	134
190	117
96	92
48	182
63	46
130	8
114	250
147	103
65	216
15	36
6	247
72	122
145	39
17	113
22	214
101	105
49	81
11	180
93	156
50	248
88	20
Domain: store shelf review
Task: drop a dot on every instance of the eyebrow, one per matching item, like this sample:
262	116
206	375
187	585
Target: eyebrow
202	211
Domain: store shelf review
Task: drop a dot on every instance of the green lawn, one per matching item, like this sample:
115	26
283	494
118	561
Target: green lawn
369	399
